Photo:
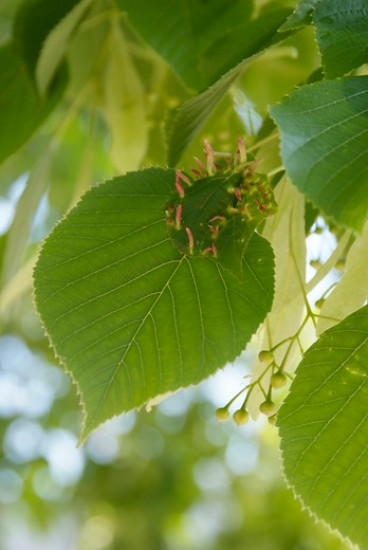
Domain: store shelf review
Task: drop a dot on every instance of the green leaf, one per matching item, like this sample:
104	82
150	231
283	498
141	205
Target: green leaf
323	426
19	95
324	140
128	314
55	46
181	31
34	20
342	34
124	105
301	15
186	121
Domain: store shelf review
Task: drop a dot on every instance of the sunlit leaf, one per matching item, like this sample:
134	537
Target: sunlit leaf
125	105
323	425
33	22
56	43
342	34
352	291
129	315
324	131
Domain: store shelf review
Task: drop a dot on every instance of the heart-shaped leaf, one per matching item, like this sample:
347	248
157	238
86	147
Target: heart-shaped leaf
130	316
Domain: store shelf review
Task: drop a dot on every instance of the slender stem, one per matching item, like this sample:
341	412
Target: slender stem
262	142
330	263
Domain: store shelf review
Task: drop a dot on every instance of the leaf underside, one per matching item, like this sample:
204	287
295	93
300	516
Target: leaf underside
128	314
323	426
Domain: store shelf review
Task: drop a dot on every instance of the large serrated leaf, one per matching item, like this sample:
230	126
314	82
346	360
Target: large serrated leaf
324	428
342	34
301	15
129	315
324	129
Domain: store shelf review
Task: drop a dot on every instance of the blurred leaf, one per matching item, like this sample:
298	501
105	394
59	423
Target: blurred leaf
124	105
342	34
54	48
323	425
324	131
128	314
352	290
301	15
19	230
186	121
181	32
285	232
33	22
21	109
8	8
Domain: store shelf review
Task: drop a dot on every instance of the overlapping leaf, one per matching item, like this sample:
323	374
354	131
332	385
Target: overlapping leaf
342	34
182	31
324	129
186	121
129	315
34	21
324	428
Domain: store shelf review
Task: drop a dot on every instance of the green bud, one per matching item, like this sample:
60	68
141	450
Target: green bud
268	407
222	414
241	417
266	356
272	419
278	380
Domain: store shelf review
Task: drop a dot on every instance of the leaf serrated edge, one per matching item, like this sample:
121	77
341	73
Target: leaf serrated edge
305	508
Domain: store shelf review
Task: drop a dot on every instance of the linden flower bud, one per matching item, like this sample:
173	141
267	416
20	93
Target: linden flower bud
272	419
278	380
268	407
266	356
241	417
222	414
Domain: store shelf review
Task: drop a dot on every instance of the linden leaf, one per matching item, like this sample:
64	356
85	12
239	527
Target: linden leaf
323	425
129	315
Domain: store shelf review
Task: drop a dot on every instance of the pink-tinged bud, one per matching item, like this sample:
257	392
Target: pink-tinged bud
241	153
179	187
190	240
218	217
183	177
202	170
237	194
178	214
214	230
211	250
210	158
